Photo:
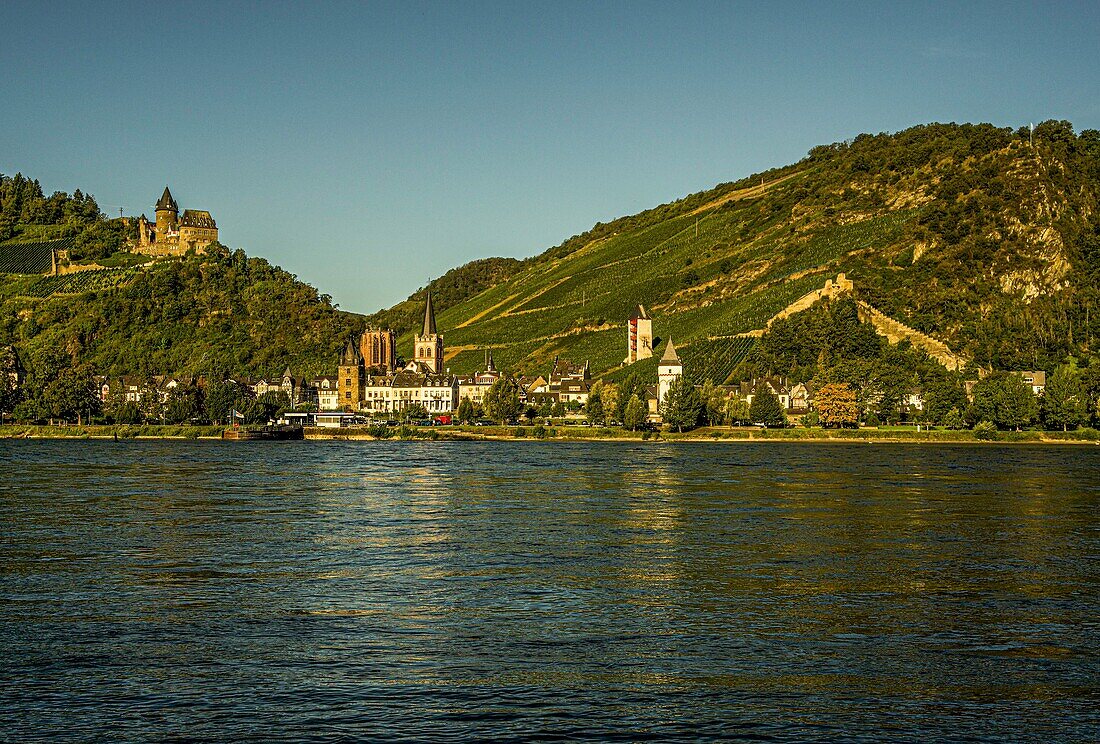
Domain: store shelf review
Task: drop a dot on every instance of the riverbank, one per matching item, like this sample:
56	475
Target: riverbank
568	434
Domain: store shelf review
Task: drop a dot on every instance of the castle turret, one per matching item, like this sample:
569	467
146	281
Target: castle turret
429	343
167	215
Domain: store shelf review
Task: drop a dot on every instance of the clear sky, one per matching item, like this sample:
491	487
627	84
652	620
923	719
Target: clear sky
368	147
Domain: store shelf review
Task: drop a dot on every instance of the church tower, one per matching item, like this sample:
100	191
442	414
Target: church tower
167	215
429	343
669	371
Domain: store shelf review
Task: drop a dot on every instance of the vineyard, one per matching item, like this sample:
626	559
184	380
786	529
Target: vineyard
715	359
30	258
84	281
705	359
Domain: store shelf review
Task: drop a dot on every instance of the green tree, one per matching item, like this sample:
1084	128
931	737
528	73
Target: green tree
682	407
953	419
714	403
71	395
737	410
767	410
415	412
1064	399
612	406
465	413
222	397
184	404
502	401
594	409
1005	400
631	385
634	415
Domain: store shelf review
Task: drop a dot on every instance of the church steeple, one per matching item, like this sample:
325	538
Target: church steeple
429	343
429	317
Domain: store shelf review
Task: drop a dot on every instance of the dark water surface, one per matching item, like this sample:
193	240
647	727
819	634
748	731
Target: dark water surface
515	592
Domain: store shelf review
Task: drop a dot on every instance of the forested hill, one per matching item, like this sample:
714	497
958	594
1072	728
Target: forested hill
983	237
222	312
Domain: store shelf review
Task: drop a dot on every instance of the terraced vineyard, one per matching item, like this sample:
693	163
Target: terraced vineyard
30	258
84	281
715	359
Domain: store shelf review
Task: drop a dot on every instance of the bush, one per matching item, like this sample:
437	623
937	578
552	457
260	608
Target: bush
985	430
539	432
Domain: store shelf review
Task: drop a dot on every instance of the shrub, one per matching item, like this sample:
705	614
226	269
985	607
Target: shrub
985	430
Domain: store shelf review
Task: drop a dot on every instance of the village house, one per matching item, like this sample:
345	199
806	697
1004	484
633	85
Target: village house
327	396
1036	380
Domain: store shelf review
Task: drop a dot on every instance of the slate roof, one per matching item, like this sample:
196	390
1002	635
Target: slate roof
167	202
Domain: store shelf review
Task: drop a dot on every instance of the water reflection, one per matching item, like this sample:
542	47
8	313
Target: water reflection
435	591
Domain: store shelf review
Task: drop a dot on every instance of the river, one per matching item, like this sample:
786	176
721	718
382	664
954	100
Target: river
520	591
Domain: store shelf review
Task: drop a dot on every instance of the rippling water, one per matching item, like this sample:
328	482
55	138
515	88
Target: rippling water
515	592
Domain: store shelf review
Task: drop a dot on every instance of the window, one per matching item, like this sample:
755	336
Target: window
348	395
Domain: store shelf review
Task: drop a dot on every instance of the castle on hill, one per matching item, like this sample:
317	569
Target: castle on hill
173	235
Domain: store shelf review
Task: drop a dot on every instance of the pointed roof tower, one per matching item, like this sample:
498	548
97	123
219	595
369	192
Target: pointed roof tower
639	313
350	356
489	366
670	356
429	317
167	202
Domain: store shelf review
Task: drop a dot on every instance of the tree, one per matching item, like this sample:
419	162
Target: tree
836	404
766	409
71	395
594	409
632	385
737	410
184	404
222	397
465	413
612	406
502	401
953	419
415	411
682	407
9	394
714	403
634	415
1064	399
1004	399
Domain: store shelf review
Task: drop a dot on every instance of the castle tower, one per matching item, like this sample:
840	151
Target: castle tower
429	343
379	350
668	371
143	231
167	215
639	336
349	384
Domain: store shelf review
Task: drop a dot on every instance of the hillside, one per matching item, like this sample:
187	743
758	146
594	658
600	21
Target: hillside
219	312
122	314
971	235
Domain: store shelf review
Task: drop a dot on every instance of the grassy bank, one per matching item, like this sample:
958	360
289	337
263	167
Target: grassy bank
562	434
706	434
122	431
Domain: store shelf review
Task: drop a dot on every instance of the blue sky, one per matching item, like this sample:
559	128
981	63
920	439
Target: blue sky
368	147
